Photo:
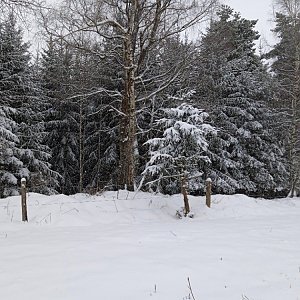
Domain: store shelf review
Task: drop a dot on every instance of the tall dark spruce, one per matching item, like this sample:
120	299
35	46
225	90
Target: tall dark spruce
62	118
102	117
235	89
23	153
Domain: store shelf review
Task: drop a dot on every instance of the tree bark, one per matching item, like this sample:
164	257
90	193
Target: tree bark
81	150
128	122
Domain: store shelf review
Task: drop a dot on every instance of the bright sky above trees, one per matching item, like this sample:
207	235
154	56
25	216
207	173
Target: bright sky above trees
257	9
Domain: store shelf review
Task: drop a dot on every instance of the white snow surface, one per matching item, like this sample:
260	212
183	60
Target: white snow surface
127	246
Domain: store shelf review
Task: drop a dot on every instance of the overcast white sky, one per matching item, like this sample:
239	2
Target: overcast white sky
257	9
249	9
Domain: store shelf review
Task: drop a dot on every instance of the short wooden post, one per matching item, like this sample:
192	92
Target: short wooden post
185	194
208	191
23	200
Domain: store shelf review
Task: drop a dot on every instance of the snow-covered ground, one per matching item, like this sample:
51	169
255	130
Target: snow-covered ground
122	246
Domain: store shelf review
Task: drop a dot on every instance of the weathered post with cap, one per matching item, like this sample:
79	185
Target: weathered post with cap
23	200
208	191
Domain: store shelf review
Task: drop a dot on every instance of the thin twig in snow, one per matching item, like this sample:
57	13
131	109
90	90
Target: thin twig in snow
190	288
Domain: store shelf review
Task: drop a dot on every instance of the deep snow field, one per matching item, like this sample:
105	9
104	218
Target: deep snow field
126	246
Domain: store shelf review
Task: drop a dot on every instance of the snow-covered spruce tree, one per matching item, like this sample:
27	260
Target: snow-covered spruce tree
167	58
286	67
10	164
180	154
245	155
83	114
102	117
24	153
62	118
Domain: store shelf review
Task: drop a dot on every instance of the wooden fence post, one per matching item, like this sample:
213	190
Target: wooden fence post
185	194
208	192
23	200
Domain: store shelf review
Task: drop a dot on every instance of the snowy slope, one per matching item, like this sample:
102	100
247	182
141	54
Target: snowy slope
130	246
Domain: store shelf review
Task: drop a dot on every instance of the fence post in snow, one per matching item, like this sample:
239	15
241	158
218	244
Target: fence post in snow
208	192
23	200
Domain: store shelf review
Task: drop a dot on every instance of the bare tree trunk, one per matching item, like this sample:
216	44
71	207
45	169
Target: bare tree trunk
81	150
128	122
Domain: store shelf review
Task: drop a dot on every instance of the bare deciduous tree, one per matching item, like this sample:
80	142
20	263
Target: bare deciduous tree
137	27
290	7
19	5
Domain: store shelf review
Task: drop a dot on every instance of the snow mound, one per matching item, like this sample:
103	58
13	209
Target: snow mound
125	207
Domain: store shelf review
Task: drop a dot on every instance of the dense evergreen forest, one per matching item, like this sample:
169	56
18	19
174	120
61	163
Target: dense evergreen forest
120	97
